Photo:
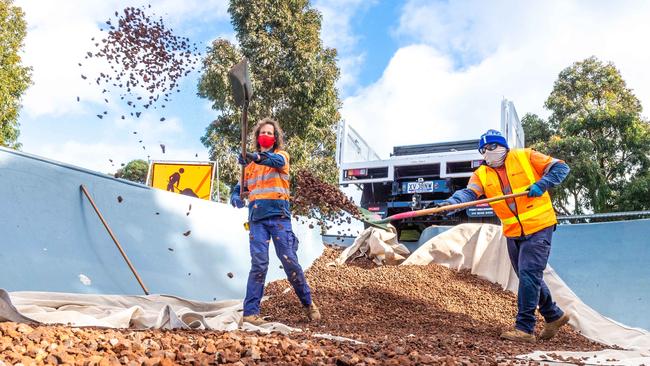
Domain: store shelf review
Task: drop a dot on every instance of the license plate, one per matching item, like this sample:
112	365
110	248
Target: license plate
419	187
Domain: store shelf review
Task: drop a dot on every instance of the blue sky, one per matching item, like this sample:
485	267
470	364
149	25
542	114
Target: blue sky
413	71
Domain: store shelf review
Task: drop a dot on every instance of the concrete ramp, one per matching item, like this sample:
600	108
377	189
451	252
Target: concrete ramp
52	240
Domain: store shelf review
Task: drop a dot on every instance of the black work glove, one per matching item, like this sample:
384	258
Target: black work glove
250	157
438	204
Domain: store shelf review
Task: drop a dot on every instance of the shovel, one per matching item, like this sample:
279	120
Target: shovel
372	218
242	91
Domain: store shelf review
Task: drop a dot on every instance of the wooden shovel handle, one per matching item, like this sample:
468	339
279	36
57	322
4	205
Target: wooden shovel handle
429	211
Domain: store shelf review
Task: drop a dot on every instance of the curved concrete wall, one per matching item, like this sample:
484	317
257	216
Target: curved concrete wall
50	235
608	266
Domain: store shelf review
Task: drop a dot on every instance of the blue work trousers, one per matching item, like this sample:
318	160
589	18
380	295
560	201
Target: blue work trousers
286	245
529	255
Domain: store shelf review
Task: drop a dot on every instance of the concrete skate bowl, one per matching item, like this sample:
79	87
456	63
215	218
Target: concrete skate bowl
52	239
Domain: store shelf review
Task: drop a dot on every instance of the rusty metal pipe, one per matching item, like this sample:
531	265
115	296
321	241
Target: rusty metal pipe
117	243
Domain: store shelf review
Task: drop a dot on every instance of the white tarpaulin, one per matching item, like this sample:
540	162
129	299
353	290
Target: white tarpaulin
122	311
379	245
482	249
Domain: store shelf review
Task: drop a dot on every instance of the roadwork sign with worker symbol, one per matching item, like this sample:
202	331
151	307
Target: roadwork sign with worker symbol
192	179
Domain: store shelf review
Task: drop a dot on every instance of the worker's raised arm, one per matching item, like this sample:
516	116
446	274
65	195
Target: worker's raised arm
473	191
552	171
274	160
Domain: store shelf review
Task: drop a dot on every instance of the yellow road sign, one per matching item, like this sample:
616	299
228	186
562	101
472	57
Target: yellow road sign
191	179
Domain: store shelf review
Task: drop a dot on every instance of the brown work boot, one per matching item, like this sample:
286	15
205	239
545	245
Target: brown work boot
551	329
312	312
518	336
253	319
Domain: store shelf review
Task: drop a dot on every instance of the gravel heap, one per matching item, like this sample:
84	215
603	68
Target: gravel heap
431	309
405	315
56	345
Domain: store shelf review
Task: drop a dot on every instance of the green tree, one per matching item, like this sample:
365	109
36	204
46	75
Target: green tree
597	128
14	77
135	171
293	78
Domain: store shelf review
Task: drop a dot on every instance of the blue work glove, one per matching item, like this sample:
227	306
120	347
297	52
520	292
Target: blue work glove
236	201
535	191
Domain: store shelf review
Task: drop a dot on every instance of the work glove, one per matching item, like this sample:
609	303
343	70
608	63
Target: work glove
236	201
250	157
442	203
535	191
439	204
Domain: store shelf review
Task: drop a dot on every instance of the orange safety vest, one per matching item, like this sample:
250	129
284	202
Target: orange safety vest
532	213
266	183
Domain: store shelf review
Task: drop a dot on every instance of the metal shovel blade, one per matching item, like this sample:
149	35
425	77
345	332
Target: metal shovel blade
370	217
240	82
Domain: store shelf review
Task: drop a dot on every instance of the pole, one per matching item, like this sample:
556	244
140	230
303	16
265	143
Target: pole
117	243
244	141
458	206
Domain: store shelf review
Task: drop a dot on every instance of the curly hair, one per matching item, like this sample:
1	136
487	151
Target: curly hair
277	132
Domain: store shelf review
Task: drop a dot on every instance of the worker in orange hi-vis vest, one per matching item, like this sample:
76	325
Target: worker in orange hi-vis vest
267	180
528	223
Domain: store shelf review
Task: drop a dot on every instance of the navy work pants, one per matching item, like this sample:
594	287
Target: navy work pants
286	245
529	255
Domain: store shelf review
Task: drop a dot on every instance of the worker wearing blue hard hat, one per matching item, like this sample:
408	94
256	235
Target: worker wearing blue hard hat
527	221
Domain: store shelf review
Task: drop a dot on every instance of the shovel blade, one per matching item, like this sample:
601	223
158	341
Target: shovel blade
240	82
370	218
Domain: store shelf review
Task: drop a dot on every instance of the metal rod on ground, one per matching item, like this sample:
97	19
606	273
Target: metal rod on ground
117	243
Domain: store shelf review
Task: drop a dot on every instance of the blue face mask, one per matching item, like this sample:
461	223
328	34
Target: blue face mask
495	158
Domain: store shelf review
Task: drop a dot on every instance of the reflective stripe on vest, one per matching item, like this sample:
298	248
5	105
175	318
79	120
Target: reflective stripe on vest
258	191
533	213
271	175
267	183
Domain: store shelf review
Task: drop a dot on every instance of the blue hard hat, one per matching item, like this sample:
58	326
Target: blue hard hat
492	136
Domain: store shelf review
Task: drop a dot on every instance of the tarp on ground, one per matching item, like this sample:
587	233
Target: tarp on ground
126	311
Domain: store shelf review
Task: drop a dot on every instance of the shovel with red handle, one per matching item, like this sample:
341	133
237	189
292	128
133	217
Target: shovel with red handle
371	218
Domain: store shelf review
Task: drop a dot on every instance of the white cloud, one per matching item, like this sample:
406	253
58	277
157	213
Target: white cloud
128	140
464	57
337	32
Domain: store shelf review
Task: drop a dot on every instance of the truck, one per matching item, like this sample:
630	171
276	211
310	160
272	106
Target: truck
417	176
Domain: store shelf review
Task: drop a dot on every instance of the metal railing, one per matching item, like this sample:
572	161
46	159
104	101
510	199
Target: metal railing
608	215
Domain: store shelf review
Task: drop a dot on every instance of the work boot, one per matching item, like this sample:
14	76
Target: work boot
551	329
518	336
312	312
253	319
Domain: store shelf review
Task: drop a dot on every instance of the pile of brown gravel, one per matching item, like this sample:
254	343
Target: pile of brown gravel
56	345
431	309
